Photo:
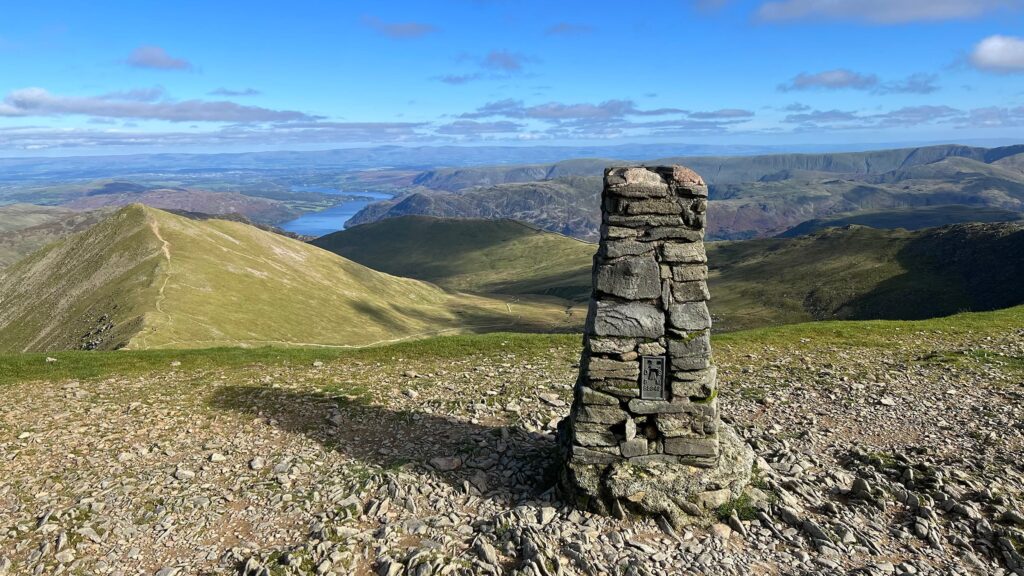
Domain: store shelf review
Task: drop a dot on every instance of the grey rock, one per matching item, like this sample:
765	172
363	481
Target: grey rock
632	278
690	316
631	319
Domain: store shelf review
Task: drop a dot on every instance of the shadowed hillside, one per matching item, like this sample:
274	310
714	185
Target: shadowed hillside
500	256
847	273
144	278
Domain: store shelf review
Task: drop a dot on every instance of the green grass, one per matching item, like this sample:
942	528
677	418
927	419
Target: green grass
808	336
485	256
82	365
856	273
171	282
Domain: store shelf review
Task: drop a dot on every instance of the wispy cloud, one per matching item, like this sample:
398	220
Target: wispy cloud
304	133
512	108
230	92
156	58
567	29
881	11
837	79
1003	54
721	114
843	79
399	29
609	119
141	105
474	128
503	61
495	65
913	84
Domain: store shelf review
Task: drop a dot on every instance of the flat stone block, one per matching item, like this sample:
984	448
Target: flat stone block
635	182
690	291
631	319
688	363
644	220
591	439
601	414
612	345
633	448
676	233
689	273
646	206
638	406
620	248
620	388
604	368
616	232
697	385
699	447
650	349
689	317
697	343
592	397
632	278
581	455
684	253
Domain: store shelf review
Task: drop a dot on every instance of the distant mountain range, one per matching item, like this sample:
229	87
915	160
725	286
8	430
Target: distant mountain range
145	278
753	196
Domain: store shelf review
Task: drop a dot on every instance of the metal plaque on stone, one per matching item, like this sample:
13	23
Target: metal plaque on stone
652	378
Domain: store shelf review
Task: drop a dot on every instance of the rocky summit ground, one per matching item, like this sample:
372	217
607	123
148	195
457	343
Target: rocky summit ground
883	448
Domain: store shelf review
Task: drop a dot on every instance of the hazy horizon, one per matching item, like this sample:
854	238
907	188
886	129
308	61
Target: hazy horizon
123	78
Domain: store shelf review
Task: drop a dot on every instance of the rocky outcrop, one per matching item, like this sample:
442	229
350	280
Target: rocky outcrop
644	435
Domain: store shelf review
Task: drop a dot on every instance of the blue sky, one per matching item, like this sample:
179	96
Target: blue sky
113	76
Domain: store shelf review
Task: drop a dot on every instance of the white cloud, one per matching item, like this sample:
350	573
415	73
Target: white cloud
138	104
156	58
831	80
881	11
999	54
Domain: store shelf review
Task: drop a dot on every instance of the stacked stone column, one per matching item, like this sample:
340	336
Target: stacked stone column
648	307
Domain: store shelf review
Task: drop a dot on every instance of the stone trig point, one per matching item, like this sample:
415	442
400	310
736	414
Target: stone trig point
644	435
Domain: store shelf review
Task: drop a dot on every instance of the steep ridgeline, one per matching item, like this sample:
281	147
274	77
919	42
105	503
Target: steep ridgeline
752	196
25	228
502	256
144	278
565	205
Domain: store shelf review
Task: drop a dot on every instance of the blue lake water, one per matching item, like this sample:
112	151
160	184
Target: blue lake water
333	218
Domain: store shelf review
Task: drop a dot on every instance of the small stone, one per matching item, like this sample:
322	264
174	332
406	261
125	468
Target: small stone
318	364
50	360
257	463
552	399
65	556
411	374
216	457
412	394
721	531
183	474
446	463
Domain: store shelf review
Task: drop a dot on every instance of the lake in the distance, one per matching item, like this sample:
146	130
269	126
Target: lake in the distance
333	218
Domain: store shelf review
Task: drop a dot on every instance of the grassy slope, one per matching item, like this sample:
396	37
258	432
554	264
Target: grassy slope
20	237
854	273
54	296
501	256
18	216
907	218
730	348
168	281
